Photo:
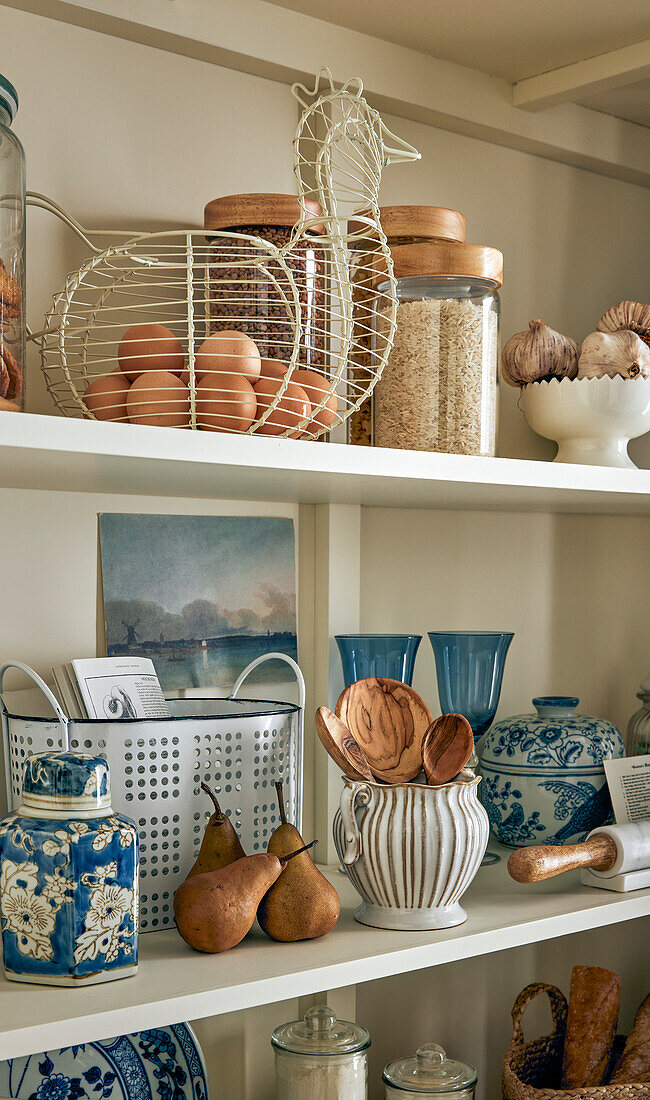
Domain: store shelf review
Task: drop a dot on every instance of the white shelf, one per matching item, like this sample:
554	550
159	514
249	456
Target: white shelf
176	984
50	452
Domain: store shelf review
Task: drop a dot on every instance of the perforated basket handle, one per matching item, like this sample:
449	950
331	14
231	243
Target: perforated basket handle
301	715
63	718
559	1009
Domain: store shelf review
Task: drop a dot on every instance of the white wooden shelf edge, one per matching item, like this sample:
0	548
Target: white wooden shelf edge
51	452
176	984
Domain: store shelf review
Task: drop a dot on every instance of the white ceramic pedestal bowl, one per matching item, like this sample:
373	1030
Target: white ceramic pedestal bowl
411	851
591	419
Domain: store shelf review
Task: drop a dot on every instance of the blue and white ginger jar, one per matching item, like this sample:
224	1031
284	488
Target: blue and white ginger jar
68	876
543	775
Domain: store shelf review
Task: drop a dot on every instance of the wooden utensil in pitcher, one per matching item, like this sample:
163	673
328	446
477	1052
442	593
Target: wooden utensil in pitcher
340	744
388	719
447	748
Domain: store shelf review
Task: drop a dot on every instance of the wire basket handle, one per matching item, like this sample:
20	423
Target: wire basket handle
559	1009
301	715
63	718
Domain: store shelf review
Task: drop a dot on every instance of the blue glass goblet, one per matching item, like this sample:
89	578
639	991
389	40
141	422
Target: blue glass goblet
469	667
391	655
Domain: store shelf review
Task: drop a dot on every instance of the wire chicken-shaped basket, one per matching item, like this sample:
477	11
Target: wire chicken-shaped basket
157	328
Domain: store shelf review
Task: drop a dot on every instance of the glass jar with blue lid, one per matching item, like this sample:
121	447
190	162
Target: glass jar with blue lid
12	254
68	876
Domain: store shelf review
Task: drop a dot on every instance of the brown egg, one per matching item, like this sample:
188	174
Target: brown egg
293	407
273	368
159	398
228	352
225	403
106	397
316	386
149	347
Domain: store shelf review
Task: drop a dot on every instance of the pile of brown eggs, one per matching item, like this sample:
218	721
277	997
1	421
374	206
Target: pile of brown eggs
234	386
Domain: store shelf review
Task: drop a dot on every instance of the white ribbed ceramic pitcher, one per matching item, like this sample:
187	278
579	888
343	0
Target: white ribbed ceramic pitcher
411	851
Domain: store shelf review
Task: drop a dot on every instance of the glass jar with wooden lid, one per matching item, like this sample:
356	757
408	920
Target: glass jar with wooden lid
242	297
403	225
438	391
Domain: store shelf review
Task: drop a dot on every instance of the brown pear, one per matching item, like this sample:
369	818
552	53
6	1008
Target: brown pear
301	904
220	845
216	909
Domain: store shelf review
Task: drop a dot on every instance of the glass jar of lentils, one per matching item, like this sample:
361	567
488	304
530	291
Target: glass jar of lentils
438	391
250	301
402	225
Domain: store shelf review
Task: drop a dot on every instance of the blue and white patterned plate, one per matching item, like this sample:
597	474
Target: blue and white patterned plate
162	1064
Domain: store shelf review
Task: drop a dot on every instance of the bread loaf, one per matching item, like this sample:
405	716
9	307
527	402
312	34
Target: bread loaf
591	1026
634	1063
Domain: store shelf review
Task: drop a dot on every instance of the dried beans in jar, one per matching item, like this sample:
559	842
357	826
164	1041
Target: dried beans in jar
241	296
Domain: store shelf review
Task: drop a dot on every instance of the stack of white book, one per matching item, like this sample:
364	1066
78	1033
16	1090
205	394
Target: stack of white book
110	688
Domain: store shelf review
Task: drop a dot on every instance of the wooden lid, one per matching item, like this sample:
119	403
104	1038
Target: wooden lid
231	211
472	261
429	222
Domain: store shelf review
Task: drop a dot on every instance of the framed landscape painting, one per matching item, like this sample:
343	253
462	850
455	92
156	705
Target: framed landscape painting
202	596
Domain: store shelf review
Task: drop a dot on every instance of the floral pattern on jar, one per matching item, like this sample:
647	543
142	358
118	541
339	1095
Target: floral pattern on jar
543	774
68	898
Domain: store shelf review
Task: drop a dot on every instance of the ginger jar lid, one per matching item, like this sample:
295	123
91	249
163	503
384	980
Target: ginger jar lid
556	736
431	1072
66	781
320	1032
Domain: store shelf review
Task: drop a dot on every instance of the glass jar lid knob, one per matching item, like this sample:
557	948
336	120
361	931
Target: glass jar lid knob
319	1021
431	1059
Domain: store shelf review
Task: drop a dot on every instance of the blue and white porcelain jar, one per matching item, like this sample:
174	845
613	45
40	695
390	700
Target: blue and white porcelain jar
68	876
543	775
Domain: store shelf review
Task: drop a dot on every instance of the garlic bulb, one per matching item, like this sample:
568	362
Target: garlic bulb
612	353
541	352
627	315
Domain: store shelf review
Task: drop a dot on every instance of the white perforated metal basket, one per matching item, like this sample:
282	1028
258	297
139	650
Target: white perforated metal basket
239	747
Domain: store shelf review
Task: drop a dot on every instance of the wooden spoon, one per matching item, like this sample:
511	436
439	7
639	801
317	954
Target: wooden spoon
341	745
388	719
448	745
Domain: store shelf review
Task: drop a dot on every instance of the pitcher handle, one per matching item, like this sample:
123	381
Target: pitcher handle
359	793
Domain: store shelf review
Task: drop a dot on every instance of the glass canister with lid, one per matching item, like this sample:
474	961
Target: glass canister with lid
438	391
403	225
430	1074
321	1056
637	738
12	254
241	297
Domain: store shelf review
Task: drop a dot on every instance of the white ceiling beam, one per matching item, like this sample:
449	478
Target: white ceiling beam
273	42
573	82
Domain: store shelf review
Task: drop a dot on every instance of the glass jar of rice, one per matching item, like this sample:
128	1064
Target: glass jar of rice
402	225
438	391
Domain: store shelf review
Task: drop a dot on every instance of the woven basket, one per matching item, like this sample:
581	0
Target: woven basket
533	1071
